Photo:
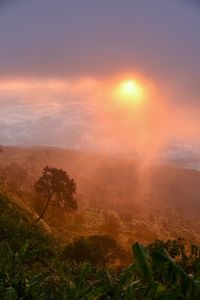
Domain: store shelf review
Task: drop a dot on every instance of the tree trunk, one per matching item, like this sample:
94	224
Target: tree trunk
44	210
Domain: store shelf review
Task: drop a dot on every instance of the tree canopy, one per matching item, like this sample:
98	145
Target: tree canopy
55	185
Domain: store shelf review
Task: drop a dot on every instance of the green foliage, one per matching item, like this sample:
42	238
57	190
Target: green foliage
141	256
166	279
187	256
97	249
33	266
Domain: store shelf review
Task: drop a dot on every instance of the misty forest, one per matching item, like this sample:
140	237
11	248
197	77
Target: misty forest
99	150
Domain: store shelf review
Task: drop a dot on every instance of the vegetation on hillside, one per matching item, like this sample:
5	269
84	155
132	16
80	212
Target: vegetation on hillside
111	198
34	266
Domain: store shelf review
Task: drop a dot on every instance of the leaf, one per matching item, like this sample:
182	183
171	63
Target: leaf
141	256
94	290
162	256
125	279
195	293
11	294
5	252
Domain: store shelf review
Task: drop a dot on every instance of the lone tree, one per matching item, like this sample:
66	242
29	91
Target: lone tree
55	185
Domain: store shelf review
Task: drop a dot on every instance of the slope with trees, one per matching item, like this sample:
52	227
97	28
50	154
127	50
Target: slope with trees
34	266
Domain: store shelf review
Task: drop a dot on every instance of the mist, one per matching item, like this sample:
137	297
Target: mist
57	75
99	149
82	114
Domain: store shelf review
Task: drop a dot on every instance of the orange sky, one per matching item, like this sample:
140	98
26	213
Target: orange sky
86	113
62	74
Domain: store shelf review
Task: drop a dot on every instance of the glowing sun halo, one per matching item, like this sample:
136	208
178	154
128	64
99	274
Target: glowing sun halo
131	90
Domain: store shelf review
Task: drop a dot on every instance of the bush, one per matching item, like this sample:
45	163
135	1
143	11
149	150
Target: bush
97	250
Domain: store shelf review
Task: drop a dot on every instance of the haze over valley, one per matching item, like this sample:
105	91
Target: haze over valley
99	150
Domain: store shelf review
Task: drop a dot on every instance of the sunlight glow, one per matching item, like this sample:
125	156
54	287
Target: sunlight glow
131	90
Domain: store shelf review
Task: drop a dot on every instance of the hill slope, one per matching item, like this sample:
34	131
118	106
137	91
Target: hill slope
116	196
34	266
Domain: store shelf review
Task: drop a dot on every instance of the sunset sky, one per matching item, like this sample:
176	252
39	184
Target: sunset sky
63	65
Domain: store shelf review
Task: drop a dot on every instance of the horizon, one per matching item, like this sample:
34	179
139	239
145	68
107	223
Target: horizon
100	149
61	76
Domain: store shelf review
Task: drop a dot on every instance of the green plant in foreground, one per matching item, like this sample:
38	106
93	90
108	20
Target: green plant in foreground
32	267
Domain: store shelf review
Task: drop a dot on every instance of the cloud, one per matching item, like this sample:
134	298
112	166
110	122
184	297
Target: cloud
56	112
58	62
81	113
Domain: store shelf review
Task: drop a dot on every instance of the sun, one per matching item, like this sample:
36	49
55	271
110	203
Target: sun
130	89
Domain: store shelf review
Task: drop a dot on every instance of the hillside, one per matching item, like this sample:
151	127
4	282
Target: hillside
33	265
116	196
